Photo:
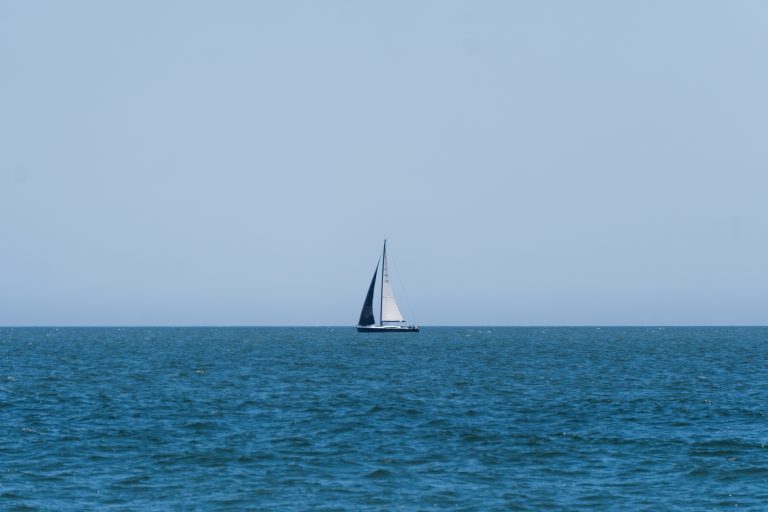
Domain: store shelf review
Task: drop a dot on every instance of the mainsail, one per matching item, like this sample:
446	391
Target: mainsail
366	314
389	310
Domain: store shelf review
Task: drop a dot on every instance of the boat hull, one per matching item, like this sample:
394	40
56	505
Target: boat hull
387	328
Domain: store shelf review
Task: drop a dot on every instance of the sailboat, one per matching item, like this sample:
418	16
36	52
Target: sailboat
390	319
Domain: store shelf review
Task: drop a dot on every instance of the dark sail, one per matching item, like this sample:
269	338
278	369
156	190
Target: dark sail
366	315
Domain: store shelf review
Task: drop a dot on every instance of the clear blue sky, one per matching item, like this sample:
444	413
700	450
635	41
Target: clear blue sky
541	162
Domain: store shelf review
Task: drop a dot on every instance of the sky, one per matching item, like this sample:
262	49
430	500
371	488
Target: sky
240	163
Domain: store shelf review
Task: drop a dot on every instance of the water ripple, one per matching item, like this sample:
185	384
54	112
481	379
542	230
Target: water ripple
295	419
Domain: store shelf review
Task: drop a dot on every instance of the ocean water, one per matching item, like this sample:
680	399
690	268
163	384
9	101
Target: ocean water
328	419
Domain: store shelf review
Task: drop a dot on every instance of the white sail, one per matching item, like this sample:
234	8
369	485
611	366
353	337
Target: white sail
389	310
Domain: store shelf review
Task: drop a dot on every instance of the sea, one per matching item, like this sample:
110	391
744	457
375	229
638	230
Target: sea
326	419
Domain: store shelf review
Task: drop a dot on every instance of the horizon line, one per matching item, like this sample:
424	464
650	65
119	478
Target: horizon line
315	326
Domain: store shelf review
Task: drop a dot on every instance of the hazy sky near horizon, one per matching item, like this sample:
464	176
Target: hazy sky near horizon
531	163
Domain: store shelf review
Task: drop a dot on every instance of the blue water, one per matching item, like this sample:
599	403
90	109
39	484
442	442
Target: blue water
327	419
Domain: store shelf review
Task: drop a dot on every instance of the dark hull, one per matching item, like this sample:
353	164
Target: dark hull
387	329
